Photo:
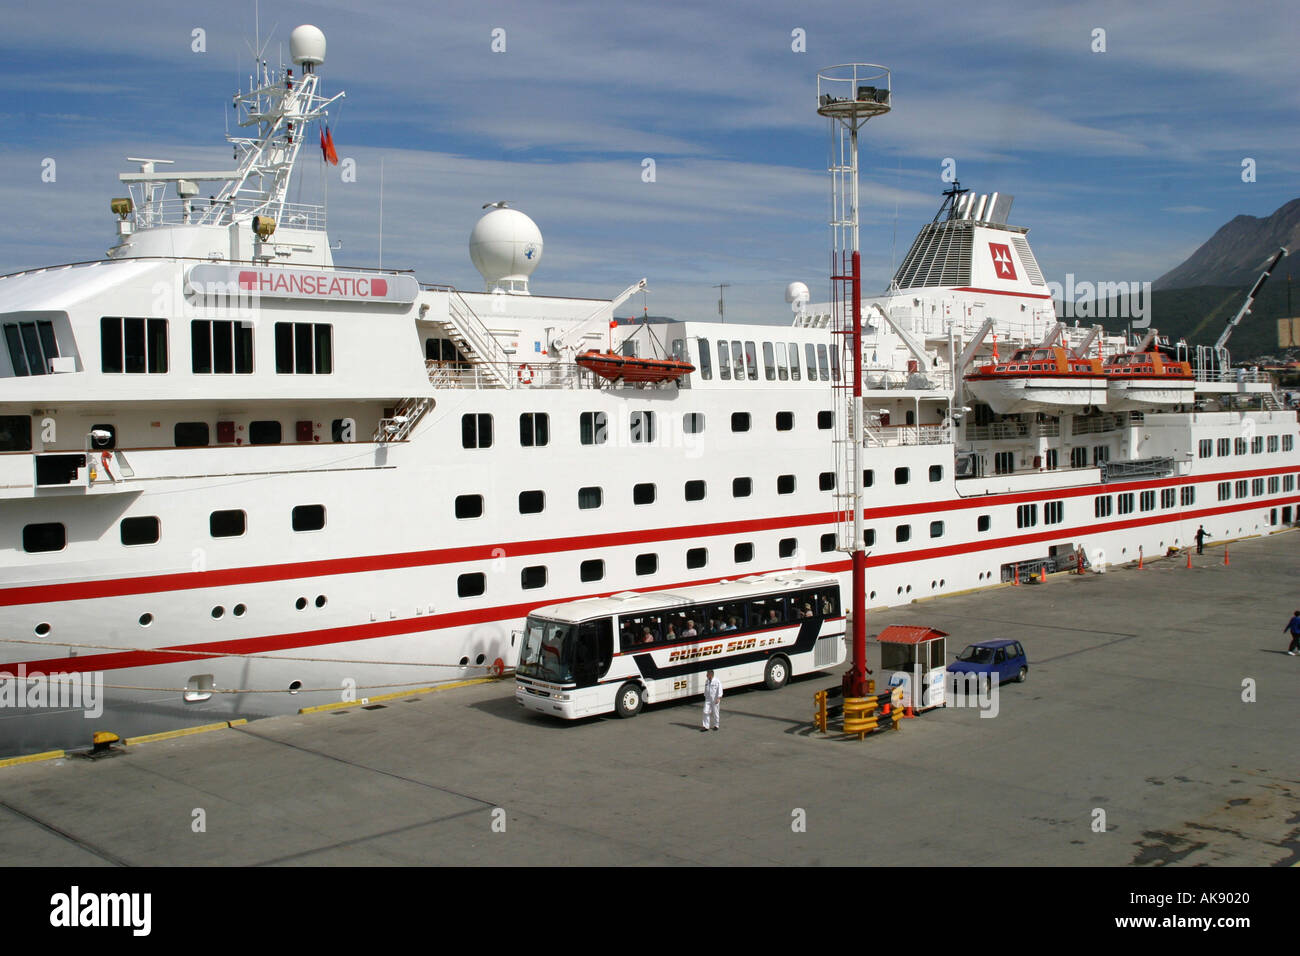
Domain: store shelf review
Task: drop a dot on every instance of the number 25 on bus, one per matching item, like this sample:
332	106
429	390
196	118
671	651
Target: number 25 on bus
640	647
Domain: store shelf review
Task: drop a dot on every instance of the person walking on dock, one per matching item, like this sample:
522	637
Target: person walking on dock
1201	535
1293	626
713	701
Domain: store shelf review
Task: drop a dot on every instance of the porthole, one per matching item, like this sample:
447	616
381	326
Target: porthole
480	659
909	589
873	595
464	661
146	620
295	686
933	585
900	589
42	629
300	603
941	582
239	610
320	600
218	611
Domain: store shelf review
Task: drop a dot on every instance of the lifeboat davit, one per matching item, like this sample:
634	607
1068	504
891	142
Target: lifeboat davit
1044	379
613	367
1148	380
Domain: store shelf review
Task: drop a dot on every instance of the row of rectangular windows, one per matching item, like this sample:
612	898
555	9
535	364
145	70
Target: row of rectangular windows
780	361
1237	446
147	529
139	346
1255	488
477	428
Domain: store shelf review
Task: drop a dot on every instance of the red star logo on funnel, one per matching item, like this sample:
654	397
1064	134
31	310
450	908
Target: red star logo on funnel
1001	253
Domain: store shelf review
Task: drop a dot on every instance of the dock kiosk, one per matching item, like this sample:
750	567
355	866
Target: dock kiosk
915	657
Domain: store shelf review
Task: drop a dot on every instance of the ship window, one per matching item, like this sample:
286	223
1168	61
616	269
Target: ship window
1052	459
304	348
868	478
476	431
1257	486
264	433
936	472
343	430
769	362
1026	516
706	361
810	360
983	523
1288	482
903	533
534	429
15	433
644	493
642	426
469	506
693	423
740	421
1004	462
471	585
221	347
794	362
1225	490
592	570
785	484
1102	506
742	487
782	372
532	578
1168	497
1207	448
936	529
822	364
724	361
531	502
1239	446
827	542
48	536
190	434
145	529
784	421
751	361
590	497
133	345
1272	443
1079	457
902	476
31	346
744	552
1242	488
697	557
1274	485
737	361
227	524
1257	445
826	481
1147	501
869	538
647	563
825	420
1126	503
1053	512
1225	445
695	490
308	517
787	547
1288	442
592	428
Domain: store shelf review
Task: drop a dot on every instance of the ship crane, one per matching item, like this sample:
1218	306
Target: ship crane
1220	347
568	340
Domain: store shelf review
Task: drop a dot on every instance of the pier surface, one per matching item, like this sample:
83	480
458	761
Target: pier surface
1157	726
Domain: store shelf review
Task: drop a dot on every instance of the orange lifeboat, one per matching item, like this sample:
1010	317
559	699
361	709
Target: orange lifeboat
1040	379
1148	380
614	367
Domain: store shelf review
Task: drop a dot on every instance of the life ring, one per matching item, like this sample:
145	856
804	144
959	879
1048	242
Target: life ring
525	374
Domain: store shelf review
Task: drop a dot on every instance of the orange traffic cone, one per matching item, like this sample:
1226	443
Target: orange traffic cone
1225	555
884	711
1015	579
909	712
1042	575
1189	559
1139	559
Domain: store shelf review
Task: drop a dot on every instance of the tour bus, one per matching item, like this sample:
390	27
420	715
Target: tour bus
621	652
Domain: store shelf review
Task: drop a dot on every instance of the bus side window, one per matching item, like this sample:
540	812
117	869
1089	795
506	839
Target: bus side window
802	606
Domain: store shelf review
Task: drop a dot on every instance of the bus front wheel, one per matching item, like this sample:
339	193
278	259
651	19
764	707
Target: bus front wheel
629	700
776	673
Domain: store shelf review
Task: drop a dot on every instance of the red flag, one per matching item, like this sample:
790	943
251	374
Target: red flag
324	153
328	146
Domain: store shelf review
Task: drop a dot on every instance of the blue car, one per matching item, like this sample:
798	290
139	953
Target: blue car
1002	657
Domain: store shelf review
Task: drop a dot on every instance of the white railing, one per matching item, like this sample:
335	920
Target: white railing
886	436
997	431
1232	375
521	375
877	379
176	212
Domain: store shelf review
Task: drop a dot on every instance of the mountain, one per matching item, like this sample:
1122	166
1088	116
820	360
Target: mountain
1238	252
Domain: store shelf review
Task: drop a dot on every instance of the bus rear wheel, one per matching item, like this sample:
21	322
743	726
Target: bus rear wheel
629	700
776	673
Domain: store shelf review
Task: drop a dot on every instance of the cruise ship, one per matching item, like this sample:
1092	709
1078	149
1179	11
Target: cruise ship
240	479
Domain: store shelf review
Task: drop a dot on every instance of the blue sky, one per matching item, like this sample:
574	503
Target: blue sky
1122	162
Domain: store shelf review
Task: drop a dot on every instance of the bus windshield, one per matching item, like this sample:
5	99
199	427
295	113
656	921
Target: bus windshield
547	651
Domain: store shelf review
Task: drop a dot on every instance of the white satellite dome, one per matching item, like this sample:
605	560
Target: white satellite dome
797	294
307	46
505	247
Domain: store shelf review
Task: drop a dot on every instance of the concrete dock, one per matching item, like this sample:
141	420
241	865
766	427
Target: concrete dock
1157	726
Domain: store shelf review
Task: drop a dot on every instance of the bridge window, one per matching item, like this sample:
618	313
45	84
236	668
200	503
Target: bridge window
724	361
31	346
706	361
221	347
133	345
794	362
769	363
304	348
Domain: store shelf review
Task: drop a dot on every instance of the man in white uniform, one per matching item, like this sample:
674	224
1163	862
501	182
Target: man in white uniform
712	702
